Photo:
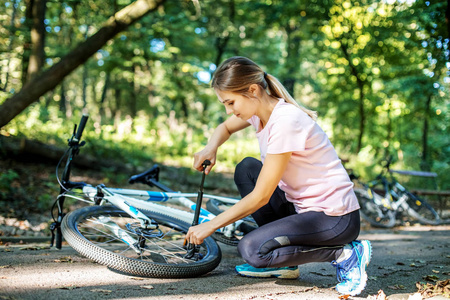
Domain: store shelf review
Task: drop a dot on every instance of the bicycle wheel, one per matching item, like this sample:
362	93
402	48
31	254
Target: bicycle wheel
99	232
371	211
216	207
421	210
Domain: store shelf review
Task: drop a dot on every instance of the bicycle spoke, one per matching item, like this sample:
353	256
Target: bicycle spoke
166	248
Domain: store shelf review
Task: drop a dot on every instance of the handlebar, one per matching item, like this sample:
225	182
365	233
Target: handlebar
81	126
73	184
65	183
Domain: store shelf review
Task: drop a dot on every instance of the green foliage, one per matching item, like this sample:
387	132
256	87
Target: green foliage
6	180
376	71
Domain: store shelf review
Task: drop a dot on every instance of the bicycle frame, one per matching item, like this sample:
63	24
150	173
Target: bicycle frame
131	200
390	187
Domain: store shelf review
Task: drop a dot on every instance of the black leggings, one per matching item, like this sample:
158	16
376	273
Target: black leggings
285	238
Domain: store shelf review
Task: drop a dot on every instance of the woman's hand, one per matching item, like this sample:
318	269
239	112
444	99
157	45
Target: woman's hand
198	233
201	156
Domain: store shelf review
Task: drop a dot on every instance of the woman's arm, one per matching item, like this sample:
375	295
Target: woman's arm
221	134
268	179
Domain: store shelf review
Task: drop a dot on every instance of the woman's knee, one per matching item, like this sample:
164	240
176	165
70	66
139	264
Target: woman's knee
249	167
250	253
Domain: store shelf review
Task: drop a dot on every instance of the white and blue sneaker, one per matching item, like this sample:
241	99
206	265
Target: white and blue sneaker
283	273
351	273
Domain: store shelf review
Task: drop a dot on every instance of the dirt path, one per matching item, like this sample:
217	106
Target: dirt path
401	258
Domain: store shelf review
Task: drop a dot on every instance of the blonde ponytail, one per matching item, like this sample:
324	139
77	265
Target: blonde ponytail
278	90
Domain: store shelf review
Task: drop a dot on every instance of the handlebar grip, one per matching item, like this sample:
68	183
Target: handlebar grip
81	126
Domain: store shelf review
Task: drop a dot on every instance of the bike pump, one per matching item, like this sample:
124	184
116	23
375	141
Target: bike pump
191	248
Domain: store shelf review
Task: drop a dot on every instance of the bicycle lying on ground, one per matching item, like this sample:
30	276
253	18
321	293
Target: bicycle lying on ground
130	231
396	203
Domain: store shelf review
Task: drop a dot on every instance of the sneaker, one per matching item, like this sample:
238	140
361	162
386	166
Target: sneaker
351	273
284	273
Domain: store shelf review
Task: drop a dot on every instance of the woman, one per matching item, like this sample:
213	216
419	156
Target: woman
299	193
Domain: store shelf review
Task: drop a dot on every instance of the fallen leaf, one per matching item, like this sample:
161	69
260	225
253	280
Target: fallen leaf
400	264
101	291
5	267
433	278
322	274
344	296
428	290
34	248
422	261
148	287
380	296
435	271
66	259
69	287
136	278
397	287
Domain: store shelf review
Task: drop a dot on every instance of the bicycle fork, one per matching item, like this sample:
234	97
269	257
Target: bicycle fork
56	226
120	201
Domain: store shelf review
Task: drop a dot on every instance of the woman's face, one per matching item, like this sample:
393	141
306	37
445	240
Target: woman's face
237	104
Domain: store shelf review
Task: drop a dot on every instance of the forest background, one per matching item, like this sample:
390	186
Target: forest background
377	73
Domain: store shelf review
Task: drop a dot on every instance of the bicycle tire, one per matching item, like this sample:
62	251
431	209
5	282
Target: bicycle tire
162	257
216	207
376	214
421	210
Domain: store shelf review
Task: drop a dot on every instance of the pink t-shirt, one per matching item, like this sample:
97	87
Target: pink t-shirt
315	179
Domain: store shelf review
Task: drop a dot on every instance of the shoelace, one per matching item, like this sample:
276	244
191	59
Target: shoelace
342	269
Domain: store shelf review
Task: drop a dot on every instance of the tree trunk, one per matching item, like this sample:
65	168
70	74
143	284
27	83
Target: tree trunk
222	42
360	83
37	56
84	84
62	98
50	78
221	45
425	164
85	75
116	112
27	40
292	59
21	147
447	18
132	101
11	43
103	97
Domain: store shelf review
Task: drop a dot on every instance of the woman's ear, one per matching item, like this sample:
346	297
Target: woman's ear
254	89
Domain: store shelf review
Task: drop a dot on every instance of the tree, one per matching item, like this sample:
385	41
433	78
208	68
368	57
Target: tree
37	57
49	79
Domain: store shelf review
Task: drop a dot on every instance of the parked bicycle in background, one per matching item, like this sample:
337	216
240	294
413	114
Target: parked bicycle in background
393	202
